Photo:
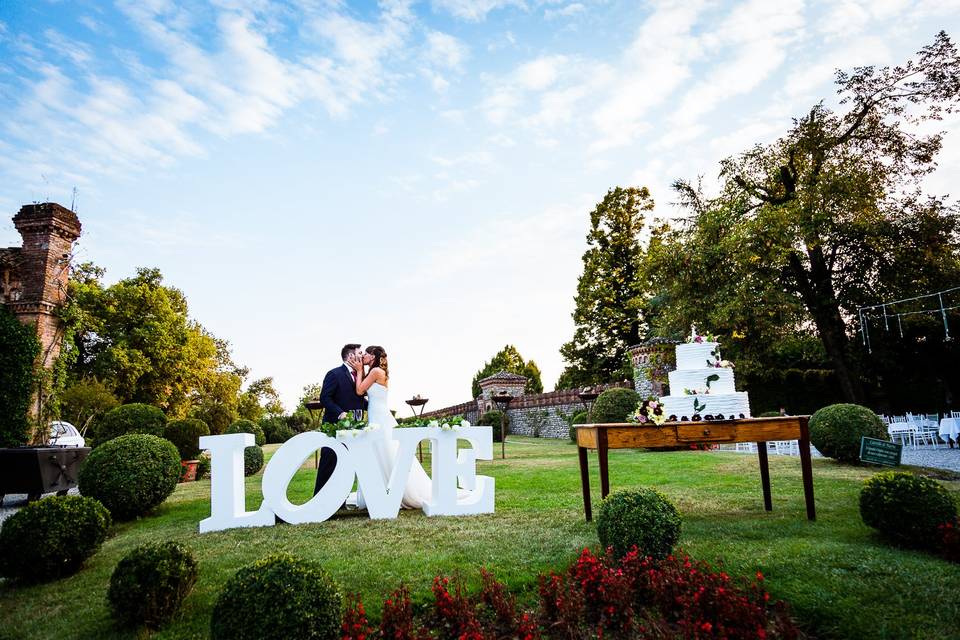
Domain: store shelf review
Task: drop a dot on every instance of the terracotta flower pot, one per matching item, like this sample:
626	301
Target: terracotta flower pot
189	473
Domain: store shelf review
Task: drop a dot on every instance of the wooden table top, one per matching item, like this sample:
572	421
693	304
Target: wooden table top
628	435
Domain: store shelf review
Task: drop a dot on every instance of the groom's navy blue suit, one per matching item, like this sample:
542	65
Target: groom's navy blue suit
338	395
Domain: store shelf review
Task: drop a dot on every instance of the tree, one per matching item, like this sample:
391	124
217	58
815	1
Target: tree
86	400
831	216
610	292
259	400
509	359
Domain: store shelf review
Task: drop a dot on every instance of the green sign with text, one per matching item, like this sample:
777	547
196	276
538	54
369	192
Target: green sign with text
882	452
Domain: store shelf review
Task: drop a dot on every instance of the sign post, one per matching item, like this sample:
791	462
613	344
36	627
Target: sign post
881	452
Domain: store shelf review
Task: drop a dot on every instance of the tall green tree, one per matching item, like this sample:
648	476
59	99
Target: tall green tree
259	400
610	292
509	359
829	217
136	337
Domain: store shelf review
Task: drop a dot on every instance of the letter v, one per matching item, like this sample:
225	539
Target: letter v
383	501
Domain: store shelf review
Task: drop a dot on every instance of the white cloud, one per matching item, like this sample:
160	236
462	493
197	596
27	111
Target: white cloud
570	10
473	10
446	51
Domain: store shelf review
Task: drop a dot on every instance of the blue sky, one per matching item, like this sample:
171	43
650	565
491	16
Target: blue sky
412	174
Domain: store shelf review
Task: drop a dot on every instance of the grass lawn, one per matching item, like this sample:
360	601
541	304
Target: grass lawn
841	580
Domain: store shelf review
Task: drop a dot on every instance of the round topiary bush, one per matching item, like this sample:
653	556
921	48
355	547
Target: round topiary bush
278	597
836	430
276	430
614	405
185	436
150	582
51	538
492	419
248	426
906	508
645	518
252	460
131	474
130	418
580	418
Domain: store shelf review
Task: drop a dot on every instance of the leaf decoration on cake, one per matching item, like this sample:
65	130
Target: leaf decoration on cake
697	406
713	377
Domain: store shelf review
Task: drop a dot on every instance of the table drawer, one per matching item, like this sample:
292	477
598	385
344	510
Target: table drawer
706	432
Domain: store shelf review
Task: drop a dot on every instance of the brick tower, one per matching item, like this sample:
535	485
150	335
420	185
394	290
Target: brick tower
35	276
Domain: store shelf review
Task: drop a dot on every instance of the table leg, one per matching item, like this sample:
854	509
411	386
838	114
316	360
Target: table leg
806	469
764	475
602	459
585	482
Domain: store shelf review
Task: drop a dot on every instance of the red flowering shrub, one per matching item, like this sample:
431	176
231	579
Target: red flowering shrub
597	597
950	540
672	598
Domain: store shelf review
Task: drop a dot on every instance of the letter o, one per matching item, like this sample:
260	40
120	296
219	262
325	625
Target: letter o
287	461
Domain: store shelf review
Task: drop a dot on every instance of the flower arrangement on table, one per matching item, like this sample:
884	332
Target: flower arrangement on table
347	423
447	424
649	411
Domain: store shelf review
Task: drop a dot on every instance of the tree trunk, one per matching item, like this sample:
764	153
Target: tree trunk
816	288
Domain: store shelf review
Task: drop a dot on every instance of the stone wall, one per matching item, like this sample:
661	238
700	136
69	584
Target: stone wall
542	415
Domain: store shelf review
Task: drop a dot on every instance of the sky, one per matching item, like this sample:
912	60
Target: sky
417	175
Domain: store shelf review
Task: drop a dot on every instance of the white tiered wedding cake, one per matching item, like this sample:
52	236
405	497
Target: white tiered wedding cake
703	384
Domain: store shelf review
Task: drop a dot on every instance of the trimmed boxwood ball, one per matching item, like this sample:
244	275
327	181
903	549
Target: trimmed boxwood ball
614	405
906	508
248	426
580	418
644	517
185	436
252	460
130	418
149	584
51	538
131	474
836	430
278	597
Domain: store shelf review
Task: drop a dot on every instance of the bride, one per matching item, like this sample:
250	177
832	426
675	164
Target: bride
418	487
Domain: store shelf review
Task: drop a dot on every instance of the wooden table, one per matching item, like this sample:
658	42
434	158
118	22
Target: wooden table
604	437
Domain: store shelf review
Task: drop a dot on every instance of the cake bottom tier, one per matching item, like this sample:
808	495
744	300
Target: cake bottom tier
730	405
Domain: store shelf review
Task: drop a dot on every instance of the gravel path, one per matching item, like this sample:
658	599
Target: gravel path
940	458
15	501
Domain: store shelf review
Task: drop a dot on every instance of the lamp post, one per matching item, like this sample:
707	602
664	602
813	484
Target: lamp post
503	401
415	402
314	405
587	395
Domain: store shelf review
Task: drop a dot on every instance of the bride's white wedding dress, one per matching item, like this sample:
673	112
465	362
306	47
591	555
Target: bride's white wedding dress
419	486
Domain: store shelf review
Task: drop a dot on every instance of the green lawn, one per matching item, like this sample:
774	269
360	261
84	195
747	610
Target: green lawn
842	581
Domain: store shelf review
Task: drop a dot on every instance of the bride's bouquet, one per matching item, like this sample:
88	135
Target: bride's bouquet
649	411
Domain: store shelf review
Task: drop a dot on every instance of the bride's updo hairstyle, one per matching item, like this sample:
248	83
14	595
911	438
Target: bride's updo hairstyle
379	358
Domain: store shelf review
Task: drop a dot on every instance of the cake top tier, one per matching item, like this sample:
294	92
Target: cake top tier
698	355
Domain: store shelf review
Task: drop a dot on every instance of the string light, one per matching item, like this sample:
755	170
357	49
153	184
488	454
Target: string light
864	313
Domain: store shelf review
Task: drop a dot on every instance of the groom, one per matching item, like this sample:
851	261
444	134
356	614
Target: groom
339	398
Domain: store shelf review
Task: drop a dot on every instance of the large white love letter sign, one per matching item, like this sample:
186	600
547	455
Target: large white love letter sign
381	472
451	469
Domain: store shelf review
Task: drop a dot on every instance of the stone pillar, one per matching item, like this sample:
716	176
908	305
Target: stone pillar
49	231
652	361
497	384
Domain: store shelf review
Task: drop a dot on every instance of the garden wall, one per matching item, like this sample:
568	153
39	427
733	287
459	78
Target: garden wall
543	415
